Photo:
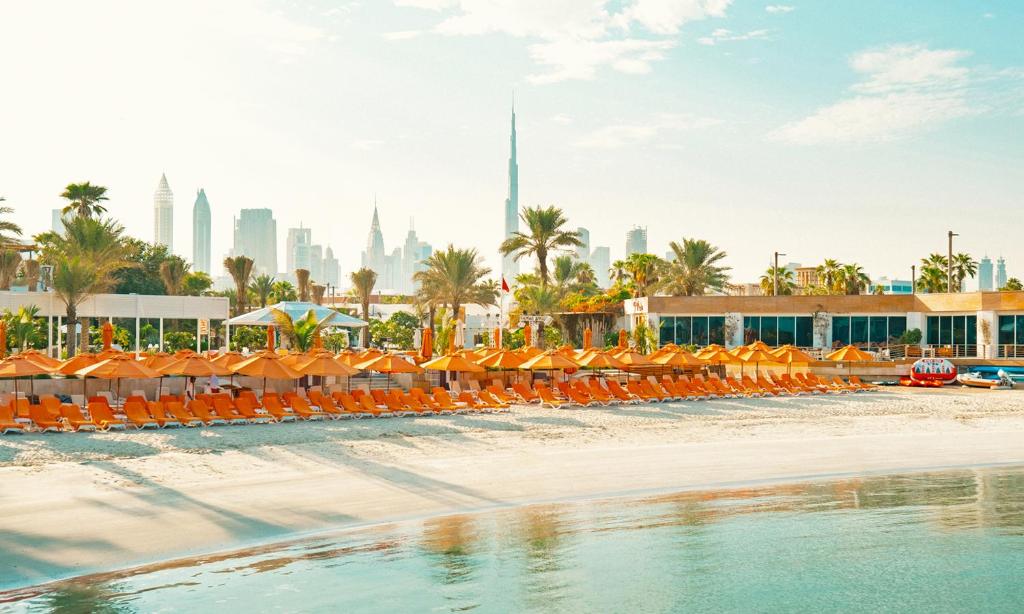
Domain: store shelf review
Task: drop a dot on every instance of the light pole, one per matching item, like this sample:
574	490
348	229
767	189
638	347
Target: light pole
949	262
775	275
913	279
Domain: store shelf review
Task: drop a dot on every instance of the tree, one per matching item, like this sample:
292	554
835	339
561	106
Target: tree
301	334
179	340
696	269
932	279
787	283
545	233
172	274
83	258
22	328
8	228
302	282
640	273
31	270
318	290
398	331
142	276
363	282
262	286
854	279
84	199
963	267
196	283
248	337
283	291
240	268
829	276
10	260
455	276
1012	285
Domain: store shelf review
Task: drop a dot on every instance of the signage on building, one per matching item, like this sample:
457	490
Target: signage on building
204	327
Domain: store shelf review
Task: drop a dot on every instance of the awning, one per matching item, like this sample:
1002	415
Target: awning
296	310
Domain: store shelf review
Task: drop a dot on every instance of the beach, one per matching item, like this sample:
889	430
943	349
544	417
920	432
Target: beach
77	503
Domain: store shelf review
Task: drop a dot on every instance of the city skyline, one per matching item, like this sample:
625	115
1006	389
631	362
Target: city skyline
898	122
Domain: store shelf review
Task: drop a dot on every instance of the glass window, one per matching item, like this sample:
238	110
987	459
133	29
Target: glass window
667	330
1020	331
959	330
933	330
945	330
897	326
840	330
683	330
972	330
878	330
769	330
858	329
700	331
787	331
1006	328
716	329
804	332
751	329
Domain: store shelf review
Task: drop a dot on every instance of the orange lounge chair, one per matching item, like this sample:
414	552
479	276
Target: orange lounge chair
301	407
787	386
247	411
51	404
43	421
156	409
328	406
636	390
393	401
378	397
138	417
594	392
811	383
366	402
176	409
492	401
414	404
351	407
250	396
500	394
445	400
272	403
799	385
427	401
7	423
547	398
74	418
821	382
662	391
765	384
709	388
855	381
620	393
583	400
224	409
470	402
741	388
839	383
201	411
525	393
21	408
680	389
102	415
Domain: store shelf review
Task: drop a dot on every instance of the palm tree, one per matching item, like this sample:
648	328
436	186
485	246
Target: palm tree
302	333
455	275
363	282
854	279
318	293
172	274
7	226
1012	285
787	283
932	279
240	268
696	269
828	275
963	267
84	199
10	260
262	286
21	326
302	281
83	258
284	291
31	269
640	272
545	233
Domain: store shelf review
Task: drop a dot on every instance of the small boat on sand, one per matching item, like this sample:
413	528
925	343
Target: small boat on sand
975	380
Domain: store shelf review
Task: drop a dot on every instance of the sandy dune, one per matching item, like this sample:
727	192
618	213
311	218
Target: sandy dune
76	503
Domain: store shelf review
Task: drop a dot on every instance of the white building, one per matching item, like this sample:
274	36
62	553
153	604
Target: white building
163	214
256	237
636	241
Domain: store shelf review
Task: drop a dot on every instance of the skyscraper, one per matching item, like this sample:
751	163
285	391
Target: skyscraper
332	268
636	241
297	249
509	267
387	266
256	237
57	221
316	263
583	251
1000	273
601	261
985	275
410	259
201	233
163	214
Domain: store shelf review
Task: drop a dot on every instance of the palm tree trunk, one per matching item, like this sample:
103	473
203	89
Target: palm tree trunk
71	318
432	313
365	333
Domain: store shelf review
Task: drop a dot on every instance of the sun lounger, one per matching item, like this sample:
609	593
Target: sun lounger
855	381
200	410
470	402
715	390
525	393
223	408
249	396
785	377
351	407
156	409
177	409
787	386
301	407
7	423
811	377
272	403
445	400
246	410
102	415
43	421
51	404
393	401
575	396
327	405
74	418
547	398
596	393
500	394
366	402
634	388
839	383
21	408
417	406
770	387
665	393
492	401
137	416
806	380
620	393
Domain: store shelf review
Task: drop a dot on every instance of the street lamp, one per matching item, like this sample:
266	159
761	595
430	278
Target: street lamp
949	262
775	275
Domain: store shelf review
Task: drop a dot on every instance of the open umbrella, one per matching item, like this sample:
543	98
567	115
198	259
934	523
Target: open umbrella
118	368
849	354
678	359
790	355
19	366
502	360
598	360
549	361
718	356
40	358
190	366
755	356
265	364
389	364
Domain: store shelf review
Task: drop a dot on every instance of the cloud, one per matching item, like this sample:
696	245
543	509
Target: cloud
622	135
904	89
779	8
722	35
401	35
561	118
573	39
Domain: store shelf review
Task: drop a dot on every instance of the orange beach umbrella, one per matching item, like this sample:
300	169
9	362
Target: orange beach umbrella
454	363
849	353
20	365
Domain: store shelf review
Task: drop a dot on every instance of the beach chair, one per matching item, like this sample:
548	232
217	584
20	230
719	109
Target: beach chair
764	384
583	400
620	393
177	409
499	393
471	403
525	393
8	425
102	415
855	381
136	415
366	402
787	386
156	409
492	401
739	387
73	417
43	421
798	385
393	401
223	408
811	377
171	398
249	396
680	391
200	410
351	407
328	406
839	383
379	397
634	388
665	393
272	403
599	396
417	406
301	407
51	404
547	398
715	389
426	400
21	408
804	379
445	400
246	410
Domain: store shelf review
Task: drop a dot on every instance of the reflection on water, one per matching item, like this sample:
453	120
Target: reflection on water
949	541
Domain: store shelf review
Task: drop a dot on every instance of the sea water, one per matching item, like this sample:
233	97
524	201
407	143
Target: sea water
933	542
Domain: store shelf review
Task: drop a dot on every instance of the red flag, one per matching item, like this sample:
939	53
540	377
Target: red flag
504	284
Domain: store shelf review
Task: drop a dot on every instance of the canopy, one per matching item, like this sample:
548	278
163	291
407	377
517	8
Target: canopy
194	366
706	351
756	355
717	357
40	359
296	310
849	353
265	364
389	363
20	365
158	360
227	359
118	367
549	361
324	364
678	358
632	358
788	354
452	362
76	363
503	359
600	360
528	351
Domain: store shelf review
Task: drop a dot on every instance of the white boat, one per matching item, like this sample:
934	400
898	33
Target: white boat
975	380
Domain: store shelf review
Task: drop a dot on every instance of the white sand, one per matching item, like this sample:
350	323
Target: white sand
73	503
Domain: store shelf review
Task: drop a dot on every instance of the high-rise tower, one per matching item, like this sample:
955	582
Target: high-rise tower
985	278
163	214
509	267
1000	273
201	233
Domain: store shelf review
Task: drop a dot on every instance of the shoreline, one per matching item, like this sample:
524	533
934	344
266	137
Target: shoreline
223	490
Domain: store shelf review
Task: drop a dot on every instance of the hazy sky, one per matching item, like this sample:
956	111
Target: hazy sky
859	130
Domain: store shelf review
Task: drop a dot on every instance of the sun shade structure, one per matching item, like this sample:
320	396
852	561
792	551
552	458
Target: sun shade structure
40	359
454	363
73	365
718	357
157	360
600	360
324	364
708	350
227	359
790	355
755	356
549	361
849	353
296	310
265	364
503	359
20	366
118	367
632	358
528	351
194	366
389	363
679	359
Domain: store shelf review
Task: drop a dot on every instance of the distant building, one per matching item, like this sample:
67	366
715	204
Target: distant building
1000	273
985	276
806	277
509	267
332	268
316	263
414	253
891	286
296	249
747	289
387	266
636	241
57	221
583	251
256	237
163	214
201	232
601	262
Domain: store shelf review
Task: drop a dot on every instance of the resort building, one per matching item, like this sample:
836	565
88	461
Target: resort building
636	241
509	266
163	214
891	286
970	325
201	231
806	278
256	237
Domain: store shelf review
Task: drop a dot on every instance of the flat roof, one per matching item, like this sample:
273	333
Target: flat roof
123	305
862	303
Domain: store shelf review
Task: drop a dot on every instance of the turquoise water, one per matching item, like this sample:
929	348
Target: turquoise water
939	542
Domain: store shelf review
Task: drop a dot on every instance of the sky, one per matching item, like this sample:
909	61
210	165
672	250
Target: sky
860	130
